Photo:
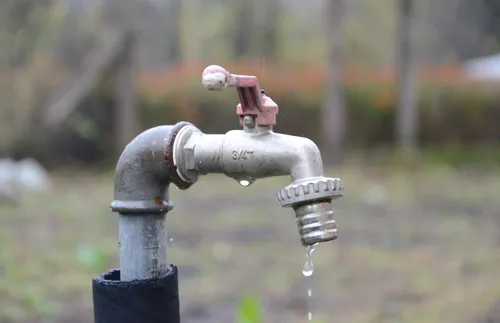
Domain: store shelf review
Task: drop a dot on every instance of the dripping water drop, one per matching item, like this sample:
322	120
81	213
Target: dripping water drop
245	182
309	266
308	269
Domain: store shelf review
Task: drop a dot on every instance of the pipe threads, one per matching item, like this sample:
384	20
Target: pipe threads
315	222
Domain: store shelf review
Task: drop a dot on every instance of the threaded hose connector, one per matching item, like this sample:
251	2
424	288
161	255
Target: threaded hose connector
311	199
315	222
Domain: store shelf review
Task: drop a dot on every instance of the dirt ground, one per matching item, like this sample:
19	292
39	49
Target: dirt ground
419	246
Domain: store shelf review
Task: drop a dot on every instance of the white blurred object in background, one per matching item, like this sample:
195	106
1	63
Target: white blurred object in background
483	68
375	195
32	176
22	176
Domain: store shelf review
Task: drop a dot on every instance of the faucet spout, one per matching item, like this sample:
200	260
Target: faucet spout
242	154
258	152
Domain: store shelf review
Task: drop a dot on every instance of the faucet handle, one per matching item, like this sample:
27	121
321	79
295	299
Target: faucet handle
253	100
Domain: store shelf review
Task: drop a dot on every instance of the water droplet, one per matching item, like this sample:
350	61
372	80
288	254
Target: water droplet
309	266
309	292
171	239
309	316
245	182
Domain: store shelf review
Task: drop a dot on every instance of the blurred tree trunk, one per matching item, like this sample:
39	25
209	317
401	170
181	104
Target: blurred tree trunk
333	112
172	31
126	98
271	14
19	16
24	29
119	18
72	45
244	12
189	29
21	27
18	54
407	109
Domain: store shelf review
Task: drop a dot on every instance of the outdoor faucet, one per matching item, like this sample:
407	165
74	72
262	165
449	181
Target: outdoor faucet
145	287
257	152
179	154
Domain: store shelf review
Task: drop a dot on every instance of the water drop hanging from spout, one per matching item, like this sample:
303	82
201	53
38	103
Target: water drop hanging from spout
309	266
245	182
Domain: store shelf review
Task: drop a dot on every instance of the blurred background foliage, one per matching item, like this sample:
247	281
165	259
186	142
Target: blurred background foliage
48	41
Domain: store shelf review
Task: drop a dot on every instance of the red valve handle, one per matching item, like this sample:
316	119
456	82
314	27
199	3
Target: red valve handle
252	100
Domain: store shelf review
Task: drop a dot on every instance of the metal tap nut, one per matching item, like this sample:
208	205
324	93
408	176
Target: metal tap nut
314	189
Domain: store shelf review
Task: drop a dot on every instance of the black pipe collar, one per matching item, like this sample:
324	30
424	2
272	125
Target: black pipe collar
139	301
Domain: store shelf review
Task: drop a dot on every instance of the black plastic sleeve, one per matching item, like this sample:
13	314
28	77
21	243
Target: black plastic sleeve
141	301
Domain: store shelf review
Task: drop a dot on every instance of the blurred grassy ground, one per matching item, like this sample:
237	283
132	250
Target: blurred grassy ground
414	246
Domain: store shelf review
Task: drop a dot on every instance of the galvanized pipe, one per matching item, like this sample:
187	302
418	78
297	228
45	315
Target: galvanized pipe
143	246
141	198
145	287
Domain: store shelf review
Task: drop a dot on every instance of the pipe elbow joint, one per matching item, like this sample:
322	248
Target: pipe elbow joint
145	171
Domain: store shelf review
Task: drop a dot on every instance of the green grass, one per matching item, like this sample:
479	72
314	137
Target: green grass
428	252
249	310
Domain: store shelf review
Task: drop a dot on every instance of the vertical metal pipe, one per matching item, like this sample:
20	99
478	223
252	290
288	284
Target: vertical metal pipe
143	246
145	288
